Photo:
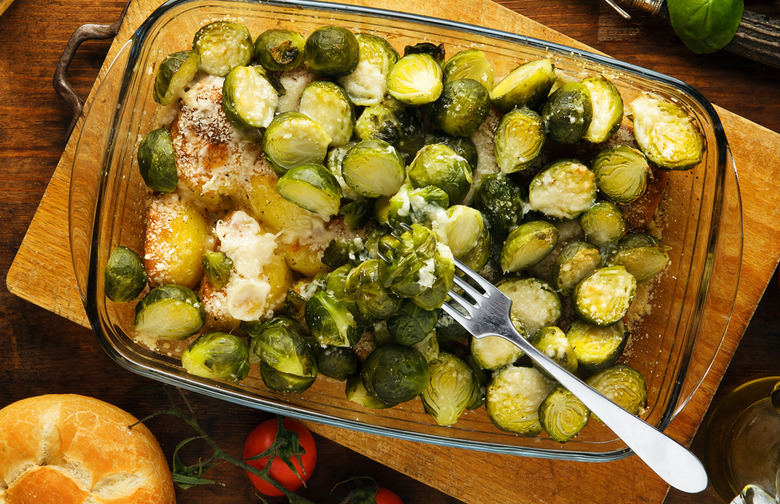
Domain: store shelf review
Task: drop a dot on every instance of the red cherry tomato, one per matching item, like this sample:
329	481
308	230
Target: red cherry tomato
385	496
261	438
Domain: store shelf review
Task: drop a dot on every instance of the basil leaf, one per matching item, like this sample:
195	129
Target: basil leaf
705	25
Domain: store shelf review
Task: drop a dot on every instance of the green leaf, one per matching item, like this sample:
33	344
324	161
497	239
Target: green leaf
705	25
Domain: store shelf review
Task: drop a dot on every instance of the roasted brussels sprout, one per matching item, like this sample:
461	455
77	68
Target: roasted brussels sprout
607	107
169	312
217	355
329	320
596	347
535	304
563	189
287	363
436	51
420	205
643	255
157	162
494	352
312	187
518	140
357	393
562	415
217	266
439	165
665	133
335	362
373	168
429	346
293	139
327	103
621	173
394	123
367	84
604	296
468	236
603	224
573	263
450	388
331	50
501	202
356	213
394	373
222	46
527	245
125	276
280	50
469	64
461	108
463	146
567	113
411	324
623	385
248	98
552	342
513	398
525	86
366	284
174	74
415	79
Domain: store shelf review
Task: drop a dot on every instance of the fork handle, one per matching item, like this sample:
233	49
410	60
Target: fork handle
670	460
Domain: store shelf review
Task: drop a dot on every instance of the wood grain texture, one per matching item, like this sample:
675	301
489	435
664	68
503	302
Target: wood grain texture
42	353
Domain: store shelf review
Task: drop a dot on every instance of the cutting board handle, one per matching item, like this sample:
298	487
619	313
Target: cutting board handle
82	34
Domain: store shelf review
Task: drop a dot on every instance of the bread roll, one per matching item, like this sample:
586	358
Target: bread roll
74	449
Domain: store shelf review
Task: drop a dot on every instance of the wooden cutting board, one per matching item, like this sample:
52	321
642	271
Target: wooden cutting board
42	274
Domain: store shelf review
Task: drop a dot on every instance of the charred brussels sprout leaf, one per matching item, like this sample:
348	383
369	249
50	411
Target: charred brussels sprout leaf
293	139
501	202
327	103
567	113
621	173
217	355
603	224
411	324
552	342
332	51
468	236
415	79
366	284
438	165
125	276
450	388
248	98
394	373
562	415
604	296
469	64
170	312
373	168
563	189
174	74
222	46
513	399
334	362
607	109
157	162
312	187
574	262
518	140
596	347
643	255
527	245
623	385
433	50
462	107
217	266
287	363
330	322
279	50
367	84
525	86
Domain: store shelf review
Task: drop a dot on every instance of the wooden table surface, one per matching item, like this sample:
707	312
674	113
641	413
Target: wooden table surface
38	349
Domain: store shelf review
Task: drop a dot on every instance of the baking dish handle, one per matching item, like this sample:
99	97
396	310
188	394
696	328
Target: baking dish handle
82	34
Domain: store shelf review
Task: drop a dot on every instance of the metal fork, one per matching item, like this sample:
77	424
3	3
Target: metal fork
486	313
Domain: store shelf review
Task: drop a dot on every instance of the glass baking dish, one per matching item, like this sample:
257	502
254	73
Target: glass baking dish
673	348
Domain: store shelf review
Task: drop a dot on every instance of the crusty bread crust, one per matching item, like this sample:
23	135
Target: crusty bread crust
68	448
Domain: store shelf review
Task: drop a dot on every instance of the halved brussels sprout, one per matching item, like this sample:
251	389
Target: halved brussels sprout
336	281
312	187
535	304
513	398
415	79
331	50
429	346
666	133
603	224
573	263
169	312
217	355
248	98
373	168
563	189
525	86
468	236
597	347
604	296
527	245
357	393
293	139
222	46
623	385
552	342
643	255
422	205
439	165
567	113
501	202
463	146
621	173
174	74
394	123
327	103
217	266
607	107
125	276
366	284
461	108
356	213
287	363
518	140
469	64
411	324
280	50
367	84
450	388
394	373
494	352
329	320
157	161
335	362
562	415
